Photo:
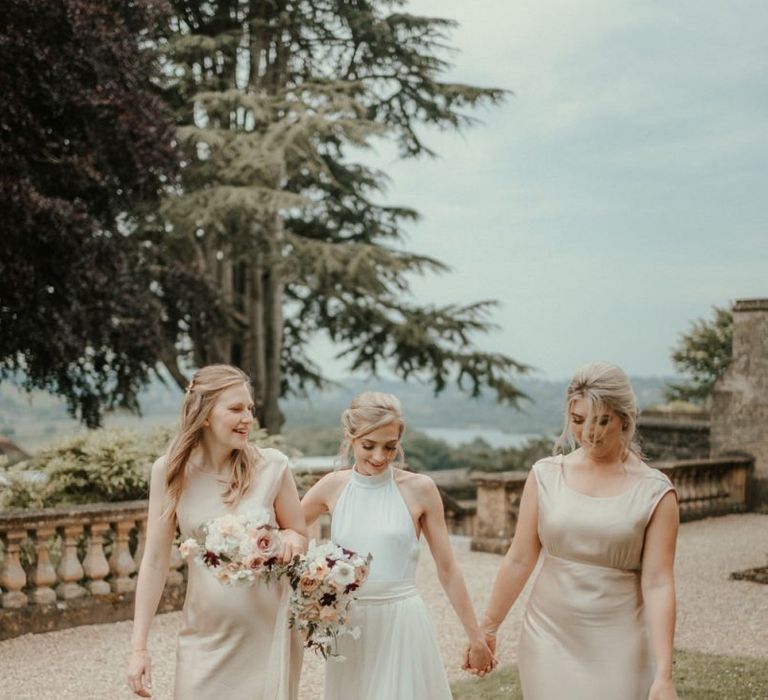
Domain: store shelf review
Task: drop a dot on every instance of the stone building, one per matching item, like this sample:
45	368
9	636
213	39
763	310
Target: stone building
739	412
665	435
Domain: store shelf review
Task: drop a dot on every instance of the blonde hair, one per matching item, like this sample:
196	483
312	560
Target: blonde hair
604	386
203	392
370	411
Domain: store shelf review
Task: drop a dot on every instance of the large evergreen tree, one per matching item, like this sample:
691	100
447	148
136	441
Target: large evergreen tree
276	217
83	139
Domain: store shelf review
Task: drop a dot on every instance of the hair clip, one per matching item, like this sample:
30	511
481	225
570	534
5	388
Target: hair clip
190	387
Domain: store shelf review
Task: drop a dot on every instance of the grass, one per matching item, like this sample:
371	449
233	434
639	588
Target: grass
697	677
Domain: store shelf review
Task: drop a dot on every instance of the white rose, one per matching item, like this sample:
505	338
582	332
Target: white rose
343	574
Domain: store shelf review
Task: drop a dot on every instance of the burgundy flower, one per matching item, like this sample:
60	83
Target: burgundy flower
211	559
328	599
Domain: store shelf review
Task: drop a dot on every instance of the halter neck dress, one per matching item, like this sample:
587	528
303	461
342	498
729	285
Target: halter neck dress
583	635
396	656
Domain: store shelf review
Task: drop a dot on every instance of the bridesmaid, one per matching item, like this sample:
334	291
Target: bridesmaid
235	642
600	620
383	510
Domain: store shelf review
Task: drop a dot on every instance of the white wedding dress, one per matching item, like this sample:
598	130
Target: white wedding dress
396	656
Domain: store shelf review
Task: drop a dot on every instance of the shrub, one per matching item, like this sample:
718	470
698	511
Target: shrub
103	465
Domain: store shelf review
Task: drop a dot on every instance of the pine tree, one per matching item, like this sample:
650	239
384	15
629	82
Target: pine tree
277	219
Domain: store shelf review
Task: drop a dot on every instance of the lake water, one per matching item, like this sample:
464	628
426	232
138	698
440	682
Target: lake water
495	438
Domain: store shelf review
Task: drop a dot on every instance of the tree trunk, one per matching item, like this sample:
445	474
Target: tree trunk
254	342
273	323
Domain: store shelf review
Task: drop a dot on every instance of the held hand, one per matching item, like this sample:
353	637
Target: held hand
662	689
489	631
291	544
490	640
140	673
479	658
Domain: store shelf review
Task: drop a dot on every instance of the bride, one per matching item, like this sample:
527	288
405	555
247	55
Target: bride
379	509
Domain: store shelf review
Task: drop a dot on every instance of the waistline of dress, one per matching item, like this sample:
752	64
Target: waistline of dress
580	562
379	592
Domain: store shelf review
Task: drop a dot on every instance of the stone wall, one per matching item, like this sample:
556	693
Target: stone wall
498	503
740	396
705	487
669	435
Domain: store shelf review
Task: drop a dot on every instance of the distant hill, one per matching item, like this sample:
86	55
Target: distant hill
452	409
37	419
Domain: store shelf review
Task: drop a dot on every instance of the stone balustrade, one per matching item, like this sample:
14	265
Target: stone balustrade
705	487
708	487
59	565
62	567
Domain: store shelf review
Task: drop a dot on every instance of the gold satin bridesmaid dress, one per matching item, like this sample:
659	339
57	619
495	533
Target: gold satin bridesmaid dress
583	635
235	643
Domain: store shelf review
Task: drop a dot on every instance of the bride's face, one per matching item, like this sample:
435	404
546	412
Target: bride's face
375	451
600	433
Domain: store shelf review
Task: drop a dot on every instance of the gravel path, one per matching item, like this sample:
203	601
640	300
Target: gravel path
714	615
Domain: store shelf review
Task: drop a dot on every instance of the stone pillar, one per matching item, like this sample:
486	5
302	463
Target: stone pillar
12	576
498	503
43	576
121	562
739	415
70	570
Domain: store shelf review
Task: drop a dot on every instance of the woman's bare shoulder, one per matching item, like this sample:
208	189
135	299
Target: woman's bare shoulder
334	479
160	465
423	484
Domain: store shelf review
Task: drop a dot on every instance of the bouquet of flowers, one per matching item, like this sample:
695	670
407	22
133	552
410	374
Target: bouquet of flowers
238	549
323	583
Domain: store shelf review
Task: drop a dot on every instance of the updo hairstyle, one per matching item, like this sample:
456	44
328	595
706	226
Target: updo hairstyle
604	386
368	412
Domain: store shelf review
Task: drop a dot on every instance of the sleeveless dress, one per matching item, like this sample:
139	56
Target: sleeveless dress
396	656
235	642
583	635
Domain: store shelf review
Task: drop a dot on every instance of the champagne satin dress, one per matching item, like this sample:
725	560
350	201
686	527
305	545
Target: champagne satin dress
583	635
235	643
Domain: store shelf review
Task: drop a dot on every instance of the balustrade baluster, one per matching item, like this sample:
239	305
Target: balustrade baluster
70	571
12	575
175	577
685	492
95	563
43	576
121	562
141	538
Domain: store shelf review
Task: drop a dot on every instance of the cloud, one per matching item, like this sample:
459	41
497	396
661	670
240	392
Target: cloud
618	194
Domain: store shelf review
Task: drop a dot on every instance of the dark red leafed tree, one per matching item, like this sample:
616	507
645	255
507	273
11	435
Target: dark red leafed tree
84	139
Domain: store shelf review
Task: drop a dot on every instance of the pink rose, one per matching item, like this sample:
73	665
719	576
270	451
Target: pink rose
328	613
361	573
310	611
266	544
308	583
254	561
318	569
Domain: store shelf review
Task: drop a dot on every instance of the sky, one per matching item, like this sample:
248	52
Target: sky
617	194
